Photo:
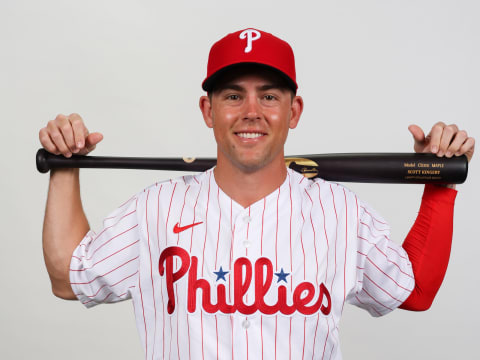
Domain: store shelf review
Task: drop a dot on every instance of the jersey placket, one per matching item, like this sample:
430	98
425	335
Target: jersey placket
242	247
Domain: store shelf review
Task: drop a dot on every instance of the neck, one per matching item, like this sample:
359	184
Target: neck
246	188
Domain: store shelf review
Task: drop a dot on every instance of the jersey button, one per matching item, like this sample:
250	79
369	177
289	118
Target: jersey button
245	323
246	243
247	218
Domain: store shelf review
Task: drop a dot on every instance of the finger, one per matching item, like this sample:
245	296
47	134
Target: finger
58	139
447	137
46	142
467	148
67	133
80	132
435	136
458	140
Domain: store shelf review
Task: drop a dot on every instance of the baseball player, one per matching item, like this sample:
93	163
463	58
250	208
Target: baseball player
248	259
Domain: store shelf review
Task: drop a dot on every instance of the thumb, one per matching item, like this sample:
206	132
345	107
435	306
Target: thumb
417	132
421	142
92	140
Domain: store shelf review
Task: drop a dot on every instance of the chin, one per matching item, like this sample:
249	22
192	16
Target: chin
249	160
251	164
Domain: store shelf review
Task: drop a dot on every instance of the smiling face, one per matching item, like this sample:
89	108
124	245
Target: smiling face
250	112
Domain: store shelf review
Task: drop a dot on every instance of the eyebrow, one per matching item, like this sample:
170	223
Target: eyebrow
272	86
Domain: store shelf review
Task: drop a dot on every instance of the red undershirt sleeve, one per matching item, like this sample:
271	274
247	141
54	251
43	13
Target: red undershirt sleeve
428	245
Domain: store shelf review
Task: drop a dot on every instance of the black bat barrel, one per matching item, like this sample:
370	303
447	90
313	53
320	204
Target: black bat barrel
409	168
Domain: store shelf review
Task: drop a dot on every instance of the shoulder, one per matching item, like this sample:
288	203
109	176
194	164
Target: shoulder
331	194
194	180
169	191
319	186
187	183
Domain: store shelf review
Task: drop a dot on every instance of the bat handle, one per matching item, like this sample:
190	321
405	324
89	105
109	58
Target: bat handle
42	161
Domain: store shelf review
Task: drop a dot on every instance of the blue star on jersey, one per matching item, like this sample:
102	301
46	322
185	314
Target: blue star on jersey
221	274
282	276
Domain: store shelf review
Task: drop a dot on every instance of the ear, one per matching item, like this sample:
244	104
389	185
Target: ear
297	109
206	109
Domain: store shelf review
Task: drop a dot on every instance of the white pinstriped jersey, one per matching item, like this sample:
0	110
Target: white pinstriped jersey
211	279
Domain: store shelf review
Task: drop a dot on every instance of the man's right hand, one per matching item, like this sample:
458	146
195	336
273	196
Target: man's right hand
67	135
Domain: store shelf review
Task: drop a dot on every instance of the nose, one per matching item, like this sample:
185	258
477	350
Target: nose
252	108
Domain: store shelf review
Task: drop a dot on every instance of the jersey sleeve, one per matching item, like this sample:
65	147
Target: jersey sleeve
104	266
383	271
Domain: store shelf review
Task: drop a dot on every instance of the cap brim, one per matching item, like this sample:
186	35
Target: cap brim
209	83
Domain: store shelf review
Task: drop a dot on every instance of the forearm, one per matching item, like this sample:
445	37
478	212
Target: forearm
65	225
428	245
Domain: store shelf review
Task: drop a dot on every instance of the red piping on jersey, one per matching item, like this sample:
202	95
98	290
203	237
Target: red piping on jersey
291	255
106	242
143	313
151	274
384	273
276	267
315	336
194	213
378	302
218	232
102	275
326	339
385	255
181	212
161	287
105	258
206	228
314	237
381	288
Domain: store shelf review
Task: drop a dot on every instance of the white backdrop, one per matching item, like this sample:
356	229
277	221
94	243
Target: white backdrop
132	69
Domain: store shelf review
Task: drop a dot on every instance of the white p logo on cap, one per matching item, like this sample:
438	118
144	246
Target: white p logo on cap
251	35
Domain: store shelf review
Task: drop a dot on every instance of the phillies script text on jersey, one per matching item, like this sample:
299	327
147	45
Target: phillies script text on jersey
303	294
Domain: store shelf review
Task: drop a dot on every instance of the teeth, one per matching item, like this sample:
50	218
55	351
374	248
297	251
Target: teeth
249	135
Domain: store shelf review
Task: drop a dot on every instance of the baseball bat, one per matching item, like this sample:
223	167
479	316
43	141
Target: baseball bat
400	168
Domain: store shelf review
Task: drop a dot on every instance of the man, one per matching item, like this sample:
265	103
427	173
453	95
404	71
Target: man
248	259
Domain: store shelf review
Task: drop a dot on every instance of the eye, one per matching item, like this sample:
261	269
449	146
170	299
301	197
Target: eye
232	97
269	97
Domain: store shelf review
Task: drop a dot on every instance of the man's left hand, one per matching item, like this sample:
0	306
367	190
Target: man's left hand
443	140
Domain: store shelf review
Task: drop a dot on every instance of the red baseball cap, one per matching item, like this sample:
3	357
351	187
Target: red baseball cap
250	46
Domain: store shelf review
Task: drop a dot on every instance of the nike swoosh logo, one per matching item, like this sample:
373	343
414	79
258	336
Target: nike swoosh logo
178	229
